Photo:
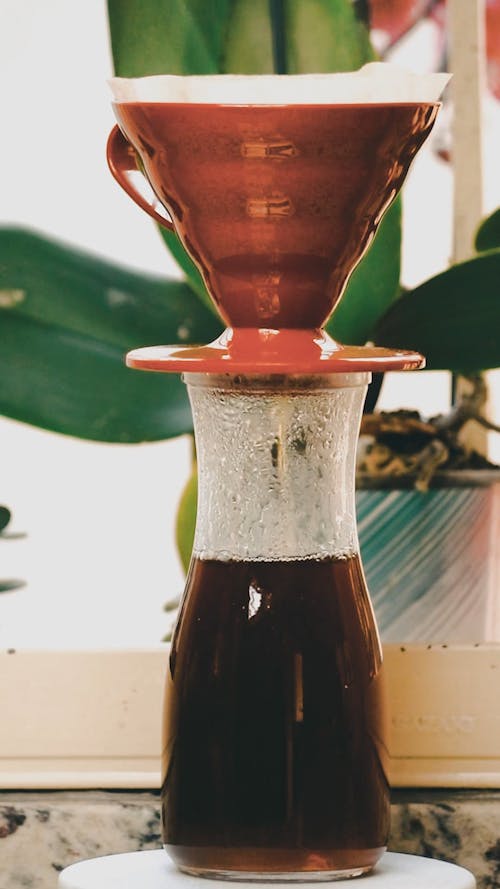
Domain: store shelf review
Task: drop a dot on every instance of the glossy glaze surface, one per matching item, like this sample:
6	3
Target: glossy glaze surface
275	204
250	350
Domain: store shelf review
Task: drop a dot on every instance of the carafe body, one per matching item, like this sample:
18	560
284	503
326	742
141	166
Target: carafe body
273	754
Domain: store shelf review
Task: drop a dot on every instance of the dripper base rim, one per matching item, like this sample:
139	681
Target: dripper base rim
269	351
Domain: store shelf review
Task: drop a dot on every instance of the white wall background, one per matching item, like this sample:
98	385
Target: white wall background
99	557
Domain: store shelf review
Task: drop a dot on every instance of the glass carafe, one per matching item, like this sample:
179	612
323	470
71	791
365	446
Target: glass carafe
273	757
273	748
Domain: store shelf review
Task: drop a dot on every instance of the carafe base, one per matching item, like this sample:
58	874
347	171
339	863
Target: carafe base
273	865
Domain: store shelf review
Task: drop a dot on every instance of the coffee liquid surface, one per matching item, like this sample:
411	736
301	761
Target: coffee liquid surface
273	747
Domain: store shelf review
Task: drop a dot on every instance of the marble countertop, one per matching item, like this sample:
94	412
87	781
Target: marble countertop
43	832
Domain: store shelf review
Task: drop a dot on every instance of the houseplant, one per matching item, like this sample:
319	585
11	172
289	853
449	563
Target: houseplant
428	505
60	333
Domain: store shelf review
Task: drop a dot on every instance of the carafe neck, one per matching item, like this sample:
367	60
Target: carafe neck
276	463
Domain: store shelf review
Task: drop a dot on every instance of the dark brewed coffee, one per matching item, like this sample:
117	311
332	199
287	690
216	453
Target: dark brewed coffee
273	748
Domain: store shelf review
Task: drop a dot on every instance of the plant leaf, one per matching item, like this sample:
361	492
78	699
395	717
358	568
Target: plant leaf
374	284
73	384
5	517
187	265
488	233
234	36
452	318
325	35
7	586
248	45
167	36
46	280
319	36
67	318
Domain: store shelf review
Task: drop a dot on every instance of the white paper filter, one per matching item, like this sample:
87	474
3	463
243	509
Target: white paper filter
377	82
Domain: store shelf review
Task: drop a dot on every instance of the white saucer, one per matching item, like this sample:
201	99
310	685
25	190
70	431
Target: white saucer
155	870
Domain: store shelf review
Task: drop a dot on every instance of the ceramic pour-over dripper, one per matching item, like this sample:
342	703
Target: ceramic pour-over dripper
275	186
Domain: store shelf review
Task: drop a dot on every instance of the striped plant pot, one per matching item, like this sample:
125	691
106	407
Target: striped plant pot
432	560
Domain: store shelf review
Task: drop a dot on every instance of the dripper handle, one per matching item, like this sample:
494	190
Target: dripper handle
122	160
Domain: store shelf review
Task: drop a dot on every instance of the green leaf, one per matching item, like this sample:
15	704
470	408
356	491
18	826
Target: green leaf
187	266
278	35
5	517
186	519
167	36
319	36
66	320
248	47
325	35
488	233
46	280
76	385
233	36
452	318
7	586
374	284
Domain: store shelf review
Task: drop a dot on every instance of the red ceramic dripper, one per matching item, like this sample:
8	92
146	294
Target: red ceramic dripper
276	205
